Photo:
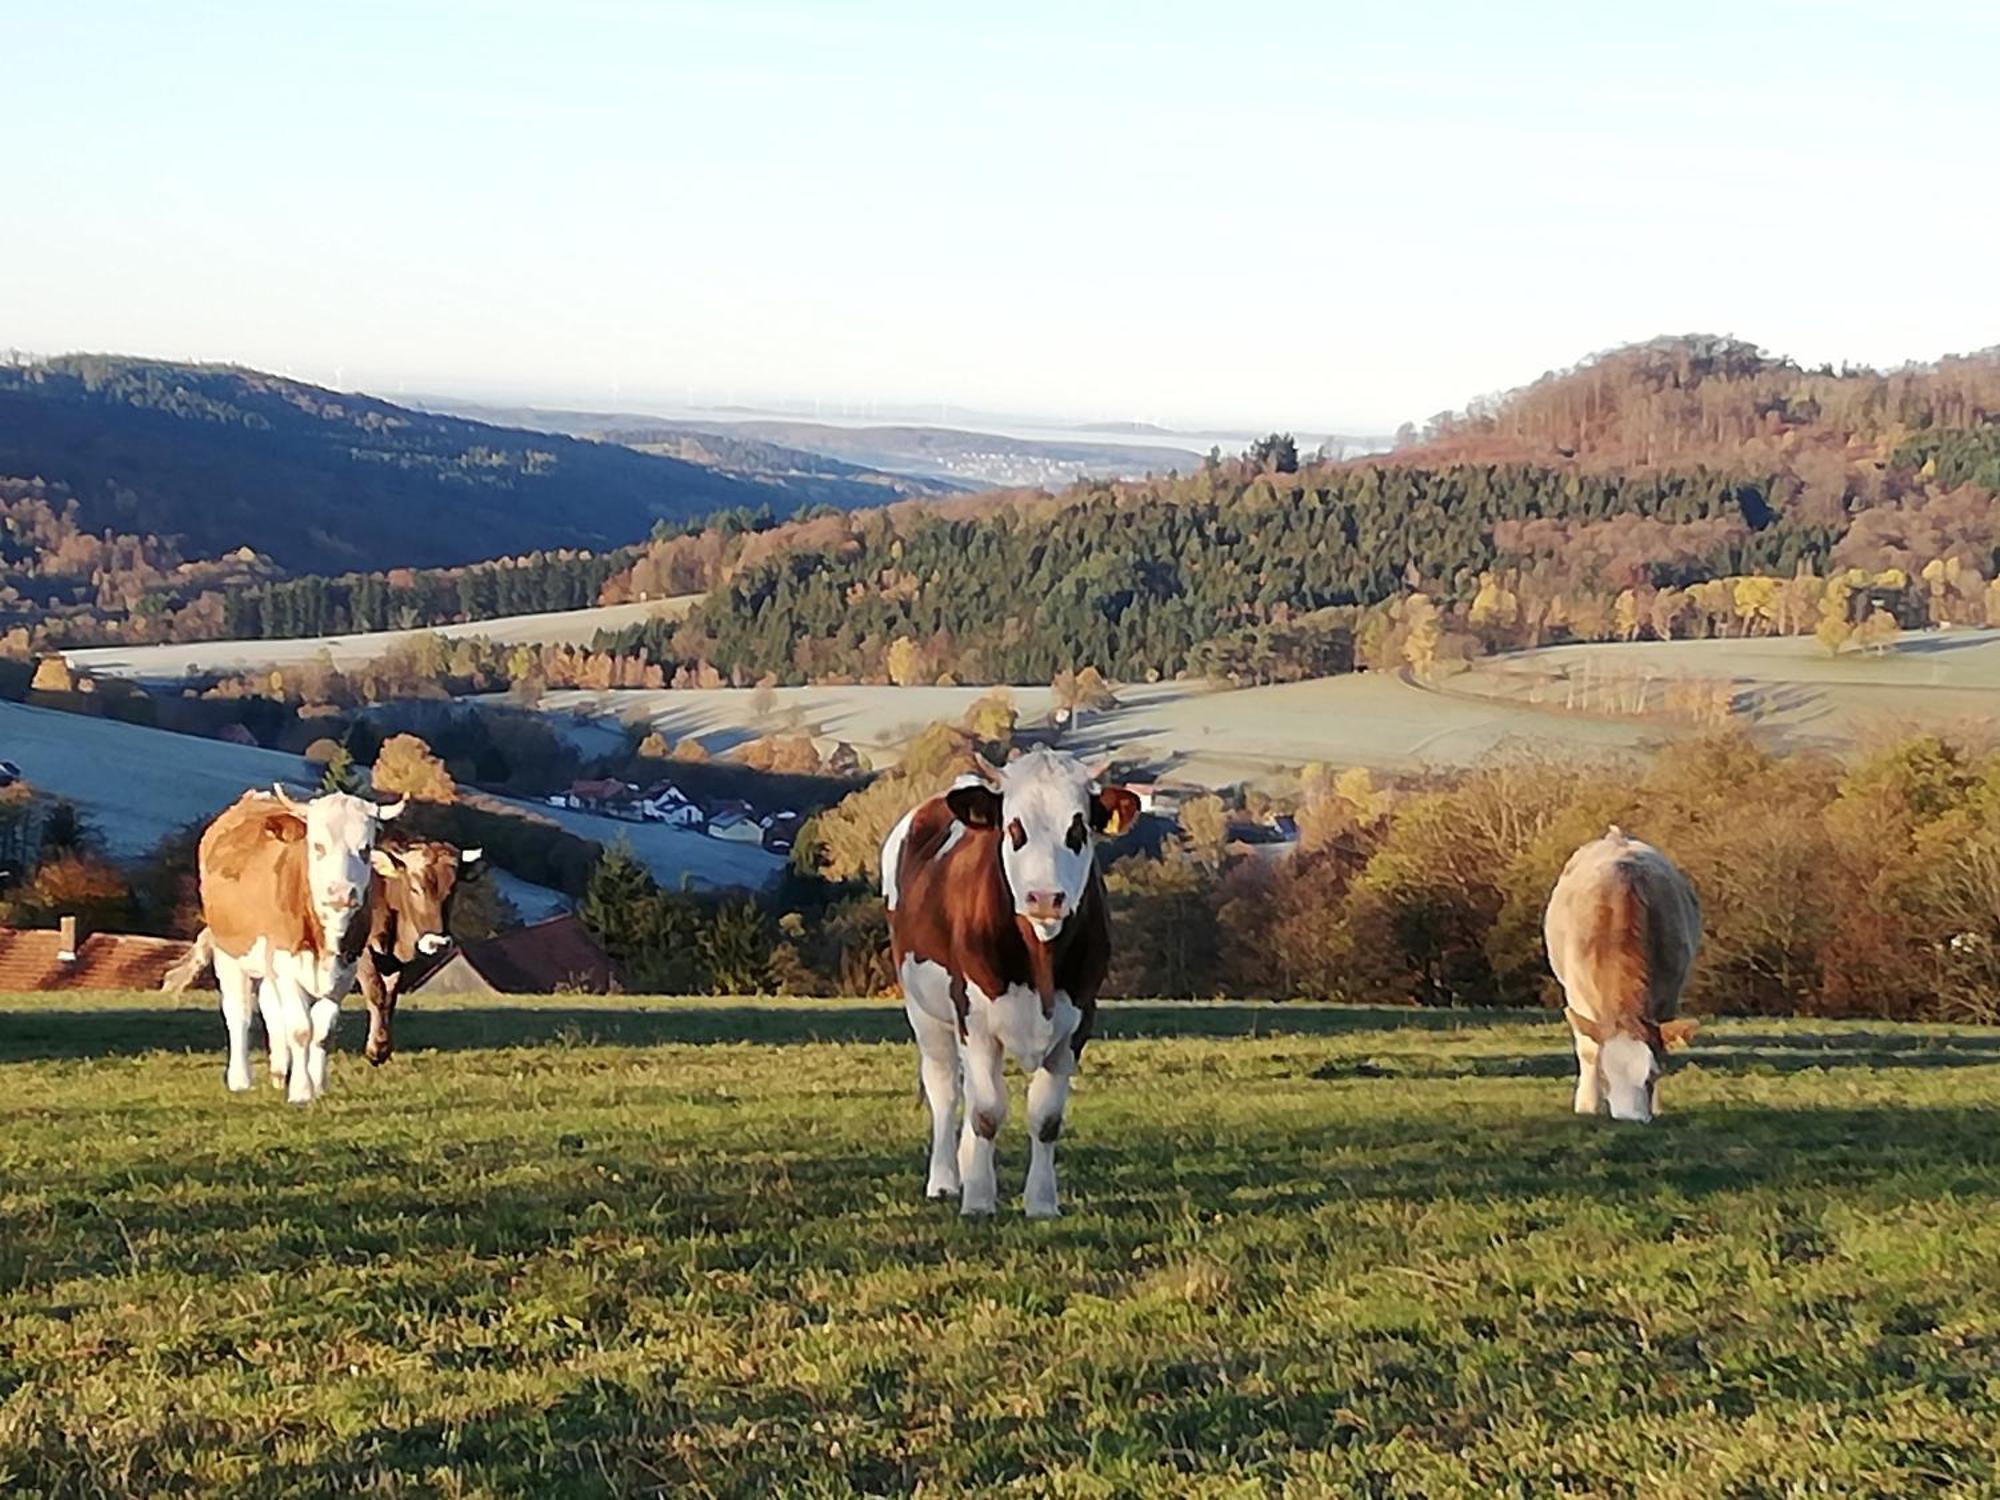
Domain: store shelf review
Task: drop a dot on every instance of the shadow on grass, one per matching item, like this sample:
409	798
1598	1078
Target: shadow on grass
540	1190
32	1032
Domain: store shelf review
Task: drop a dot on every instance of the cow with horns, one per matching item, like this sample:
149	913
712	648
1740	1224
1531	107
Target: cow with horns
409	923
1001	936
284	888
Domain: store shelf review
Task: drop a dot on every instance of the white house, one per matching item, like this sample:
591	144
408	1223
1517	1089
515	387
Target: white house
666	803
736	825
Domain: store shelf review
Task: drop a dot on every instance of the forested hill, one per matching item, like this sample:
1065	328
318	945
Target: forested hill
222	458
1701	398
1686	486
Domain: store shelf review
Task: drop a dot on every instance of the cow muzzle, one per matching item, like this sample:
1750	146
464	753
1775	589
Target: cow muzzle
1045	912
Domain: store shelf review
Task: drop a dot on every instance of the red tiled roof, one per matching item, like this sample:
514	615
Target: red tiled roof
104	961
539	959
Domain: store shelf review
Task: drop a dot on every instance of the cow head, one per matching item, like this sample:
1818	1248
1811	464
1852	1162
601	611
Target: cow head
339	835
415	883
1630	1066
1049	810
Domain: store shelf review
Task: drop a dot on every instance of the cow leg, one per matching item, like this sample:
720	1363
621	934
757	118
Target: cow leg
937	1061
1589	1083
323	1015
274	1033
295	1023
235	987
379	990
985	1113
1048	1098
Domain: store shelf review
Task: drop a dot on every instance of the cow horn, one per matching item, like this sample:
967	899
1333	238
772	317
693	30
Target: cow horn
986	771
1096	768
284	798
393	810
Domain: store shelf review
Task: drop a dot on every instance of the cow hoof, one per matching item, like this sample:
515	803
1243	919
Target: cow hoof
972	1210
1043	1211
238	1085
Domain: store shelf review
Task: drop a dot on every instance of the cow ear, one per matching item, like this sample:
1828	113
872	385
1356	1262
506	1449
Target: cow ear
976	806
286	828
1677	1034
382	861
1113	810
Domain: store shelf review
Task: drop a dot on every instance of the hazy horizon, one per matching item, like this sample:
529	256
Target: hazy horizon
1332	219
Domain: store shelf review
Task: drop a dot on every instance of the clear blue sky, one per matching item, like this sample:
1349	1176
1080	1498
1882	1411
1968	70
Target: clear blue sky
1318	214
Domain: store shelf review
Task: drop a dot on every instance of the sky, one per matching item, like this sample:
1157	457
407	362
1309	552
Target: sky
1327	216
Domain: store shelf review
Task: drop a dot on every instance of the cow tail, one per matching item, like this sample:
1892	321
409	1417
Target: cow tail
199	960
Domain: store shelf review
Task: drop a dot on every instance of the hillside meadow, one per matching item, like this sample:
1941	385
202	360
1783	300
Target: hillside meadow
618	1246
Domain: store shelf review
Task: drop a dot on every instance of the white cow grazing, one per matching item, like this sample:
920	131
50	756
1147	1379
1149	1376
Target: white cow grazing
1622	928
1002	937
284	887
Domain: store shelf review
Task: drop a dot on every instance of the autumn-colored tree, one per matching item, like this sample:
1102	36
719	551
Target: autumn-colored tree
1093	692
405	767
1205	827
1878	632
1625	615
991	717
905	662
52	675
1422	634
74	884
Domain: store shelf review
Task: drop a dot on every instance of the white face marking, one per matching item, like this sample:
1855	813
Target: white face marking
1045	837
1627	1066
340	834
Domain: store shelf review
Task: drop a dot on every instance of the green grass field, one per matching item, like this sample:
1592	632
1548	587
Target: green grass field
616	1247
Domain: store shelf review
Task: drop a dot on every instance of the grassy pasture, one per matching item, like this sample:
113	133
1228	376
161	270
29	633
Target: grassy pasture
614	1247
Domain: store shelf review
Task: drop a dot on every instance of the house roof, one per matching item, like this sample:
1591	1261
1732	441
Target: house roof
104	961
541	958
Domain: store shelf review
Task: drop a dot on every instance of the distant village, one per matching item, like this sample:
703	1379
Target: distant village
728	818
736	821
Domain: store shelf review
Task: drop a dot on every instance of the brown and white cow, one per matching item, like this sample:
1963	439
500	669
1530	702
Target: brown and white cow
409	916
1001	936
1623	927
284	887
409	919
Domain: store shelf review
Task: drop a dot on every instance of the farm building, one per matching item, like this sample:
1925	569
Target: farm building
666	803
736	821
46	958
542	959
1906	606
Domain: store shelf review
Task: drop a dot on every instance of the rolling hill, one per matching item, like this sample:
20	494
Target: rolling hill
321	481
896	458
813	477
